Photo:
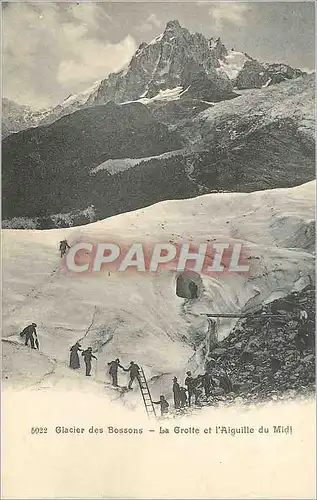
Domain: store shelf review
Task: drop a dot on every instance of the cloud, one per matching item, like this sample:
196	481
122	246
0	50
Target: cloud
228	13
90	14
97	59
51	50
151	22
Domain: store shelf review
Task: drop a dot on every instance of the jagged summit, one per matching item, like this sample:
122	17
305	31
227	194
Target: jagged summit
203	68
173	25
178	58
174	58
173	31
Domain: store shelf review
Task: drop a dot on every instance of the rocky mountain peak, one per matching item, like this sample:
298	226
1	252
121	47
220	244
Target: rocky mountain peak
175	59
164	63
173	25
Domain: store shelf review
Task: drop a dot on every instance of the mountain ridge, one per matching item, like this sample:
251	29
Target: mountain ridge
176	57
263	139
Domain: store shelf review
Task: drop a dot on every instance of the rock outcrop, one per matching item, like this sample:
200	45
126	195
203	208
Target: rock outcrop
256	75
270	357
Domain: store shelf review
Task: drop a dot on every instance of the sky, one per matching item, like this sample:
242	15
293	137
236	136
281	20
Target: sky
52	50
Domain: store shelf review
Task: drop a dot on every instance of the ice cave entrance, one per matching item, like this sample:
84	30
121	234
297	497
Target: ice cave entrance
189	285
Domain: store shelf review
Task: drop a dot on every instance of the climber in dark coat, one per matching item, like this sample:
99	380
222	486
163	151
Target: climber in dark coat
74	358
134	370
87	358
183	397
225	382
176	393
163	405
208	383
113	371
190	384
63	246
30	336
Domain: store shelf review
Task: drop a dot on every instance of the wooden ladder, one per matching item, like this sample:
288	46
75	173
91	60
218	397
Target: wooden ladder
146	395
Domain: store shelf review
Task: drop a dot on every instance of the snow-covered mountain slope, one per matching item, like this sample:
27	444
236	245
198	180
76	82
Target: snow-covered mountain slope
139	316
71	104
16	117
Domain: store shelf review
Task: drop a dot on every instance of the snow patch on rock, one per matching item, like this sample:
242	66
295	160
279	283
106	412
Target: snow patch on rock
164	95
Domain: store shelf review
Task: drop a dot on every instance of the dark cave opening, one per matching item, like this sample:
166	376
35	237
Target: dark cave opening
188	285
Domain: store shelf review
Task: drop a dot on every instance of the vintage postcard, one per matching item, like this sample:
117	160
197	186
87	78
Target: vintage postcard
158	250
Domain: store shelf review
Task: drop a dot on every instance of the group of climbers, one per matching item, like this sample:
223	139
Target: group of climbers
194	387
183	396
74	363
133	369
31	337
74	357
199	386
